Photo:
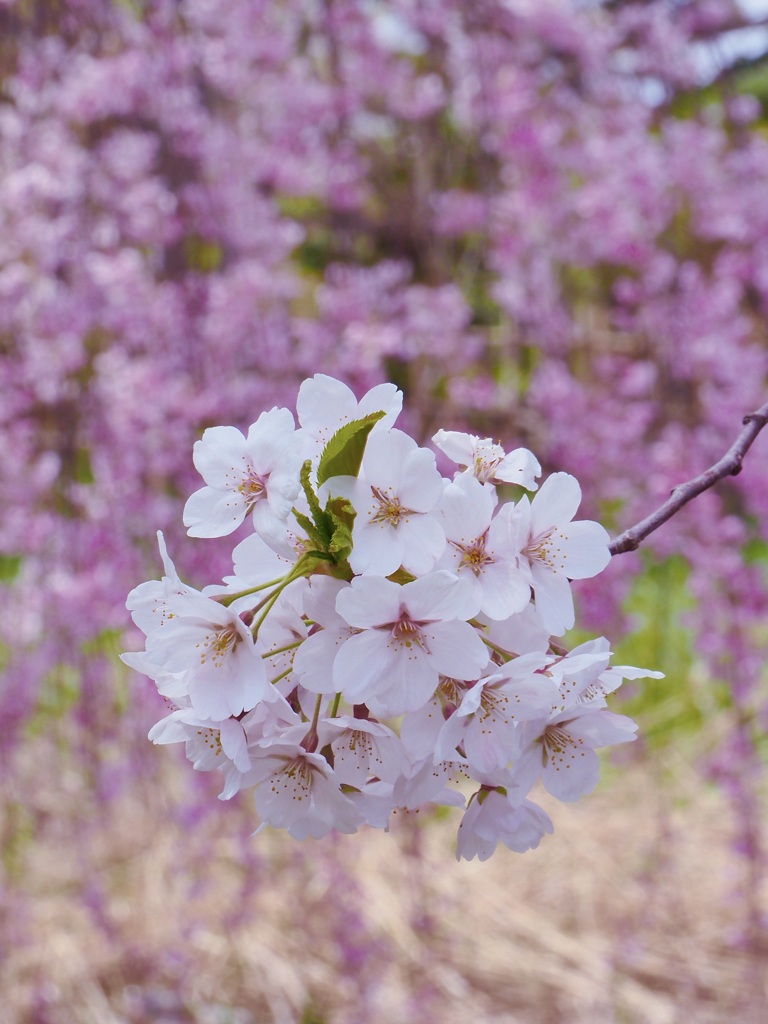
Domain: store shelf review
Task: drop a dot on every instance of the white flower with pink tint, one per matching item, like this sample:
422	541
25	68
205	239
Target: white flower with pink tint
211	644
313	661
480	548
325	404
148	603
409	636
487	461
484	724
210	746
560	750
493	817
257	474
364	749
395	496
555	550
299	791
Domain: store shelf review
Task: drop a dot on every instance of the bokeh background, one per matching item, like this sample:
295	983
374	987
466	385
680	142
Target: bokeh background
547	222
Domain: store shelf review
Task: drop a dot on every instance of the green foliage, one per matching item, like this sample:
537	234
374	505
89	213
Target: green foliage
674	706
343	454
203	255
59	692
311	1015
18	836
328	529
755	552
753	79
9	568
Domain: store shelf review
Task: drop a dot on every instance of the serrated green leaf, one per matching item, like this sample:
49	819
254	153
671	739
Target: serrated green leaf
343	454
308	527
342	516
306	483
341	542
320	527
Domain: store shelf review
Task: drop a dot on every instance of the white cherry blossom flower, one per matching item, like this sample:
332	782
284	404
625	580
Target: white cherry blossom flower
148	603
395	497
555	550
427	782
480	548
492	817
210	746
298	791
484	724
487	461
324	405
313	661
364	749
212	645
409	635
560	751
258	473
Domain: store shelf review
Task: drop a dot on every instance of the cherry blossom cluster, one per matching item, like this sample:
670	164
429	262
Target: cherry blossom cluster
373	590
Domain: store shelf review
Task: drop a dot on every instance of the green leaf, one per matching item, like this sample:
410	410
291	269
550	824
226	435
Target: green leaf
308	527
343	454
306	483
9	567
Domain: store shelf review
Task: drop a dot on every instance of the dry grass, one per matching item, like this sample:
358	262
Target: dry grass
631	912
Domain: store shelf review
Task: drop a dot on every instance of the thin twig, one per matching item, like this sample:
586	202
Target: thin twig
729	465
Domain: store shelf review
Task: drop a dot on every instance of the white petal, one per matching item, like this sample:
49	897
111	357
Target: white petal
323	404
554	601
221	457
411	679
457	650
584	549
313	661
466	510
438	596
519	467
457	446
422	486
555	504
384	397
269	437
369	601
505	591
377	548
423	541
385	459
362	666
572	774
255	562
213	513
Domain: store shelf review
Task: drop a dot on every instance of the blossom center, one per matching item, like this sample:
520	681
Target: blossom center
559	747
546	550
390	509
253	487
488	457
474	556
409	633
294	778
216	646
212	739
485	468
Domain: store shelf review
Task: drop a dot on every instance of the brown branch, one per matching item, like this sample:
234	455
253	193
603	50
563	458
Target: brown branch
729	465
